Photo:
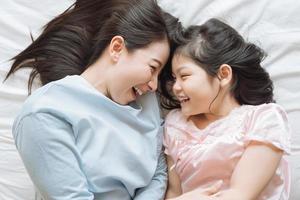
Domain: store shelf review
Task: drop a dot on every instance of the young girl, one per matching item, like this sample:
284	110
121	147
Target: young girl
93	131
227	137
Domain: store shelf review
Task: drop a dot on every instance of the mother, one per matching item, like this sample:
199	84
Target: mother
93	131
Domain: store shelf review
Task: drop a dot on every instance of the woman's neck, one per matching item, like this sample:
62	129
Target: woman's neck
96	75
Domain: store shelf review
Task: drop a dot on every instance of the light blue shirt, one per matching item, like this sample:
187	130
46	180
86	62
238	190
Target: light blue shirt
78	144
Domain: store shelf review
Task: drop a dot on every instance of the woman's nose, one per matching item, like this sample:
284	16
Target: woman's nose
153	84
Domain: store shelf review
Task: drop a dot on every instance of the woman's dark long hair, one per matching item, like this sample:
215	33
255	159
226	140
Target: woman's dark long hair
73	41
215	43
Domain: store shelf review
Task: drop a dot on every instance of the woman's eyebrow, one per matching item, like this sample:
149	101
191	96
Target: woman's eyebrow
157	61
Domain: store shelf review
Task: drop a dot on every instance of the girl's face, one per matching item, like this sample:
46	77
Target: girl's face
193	87
136	72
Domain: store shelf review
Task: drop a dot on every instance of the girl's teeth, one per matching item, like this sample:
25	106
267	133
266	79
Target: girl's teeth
184	100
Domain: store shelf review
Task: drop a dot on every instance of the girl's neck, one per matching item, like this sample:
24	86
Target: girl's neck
220	111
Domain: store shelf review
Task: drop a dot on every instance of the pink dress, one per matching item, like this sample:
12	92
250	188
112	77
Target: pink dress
205	156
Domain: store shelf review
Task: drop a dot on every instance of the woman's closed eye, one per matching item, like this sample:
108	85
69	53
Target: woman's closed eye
152	68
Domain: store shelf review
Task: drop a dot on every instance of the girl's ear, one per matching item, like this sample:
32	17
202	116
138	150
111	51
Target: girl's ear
225	74
116	46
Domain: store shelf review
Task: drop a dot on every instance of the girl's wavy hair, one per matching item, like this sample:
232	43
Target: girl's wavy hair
74	40
215	43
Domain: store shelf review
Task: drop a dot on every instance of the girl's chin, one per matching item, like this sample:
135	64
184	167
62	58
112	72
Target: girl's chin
186	112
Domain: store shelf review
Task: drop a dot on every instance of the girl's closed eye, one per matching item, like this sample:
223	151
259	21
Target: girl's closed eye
184	76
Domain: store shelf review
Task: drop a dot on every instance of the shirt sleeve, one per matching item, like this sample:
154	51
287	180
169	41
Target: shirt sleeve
158	185
166	141
47	147
173	137
269	124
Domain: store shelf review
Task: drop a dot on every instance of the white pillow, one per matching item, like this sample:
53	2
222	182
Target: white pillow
18	19
264	22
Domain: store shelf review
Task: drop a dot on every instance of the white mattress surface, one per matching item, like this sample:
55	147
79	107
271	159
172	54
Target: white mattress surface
272	24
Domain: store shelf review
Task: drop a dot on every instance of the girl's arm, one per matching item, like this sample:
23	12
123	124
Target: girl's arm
201	194
253	172
174	183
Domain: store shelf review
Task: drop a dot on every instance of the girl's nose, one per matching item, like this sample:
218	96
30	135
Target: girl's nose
176	86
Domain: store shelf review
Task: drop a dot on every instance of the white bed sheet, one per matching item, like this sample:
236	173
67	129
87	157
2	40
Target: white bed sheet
274	25
17	19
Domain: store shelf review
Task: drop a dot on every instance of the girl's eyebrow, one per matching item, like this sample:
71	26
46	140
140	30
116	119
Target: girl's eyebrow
180	68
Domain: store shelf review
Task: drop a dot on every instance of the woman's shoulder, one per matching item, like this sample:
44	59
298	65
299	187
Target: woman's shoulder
53	96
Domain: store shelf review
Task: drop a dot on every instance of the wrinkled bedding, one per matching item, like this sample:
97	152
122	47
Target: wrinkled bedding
273	25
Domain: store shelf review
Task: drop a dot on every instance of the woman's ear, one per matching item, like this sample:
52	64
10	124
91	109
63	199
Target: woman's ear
116	46
225	74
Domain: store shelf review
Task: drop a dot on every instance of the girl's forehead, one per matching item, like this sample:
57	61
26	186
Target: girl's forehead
179	60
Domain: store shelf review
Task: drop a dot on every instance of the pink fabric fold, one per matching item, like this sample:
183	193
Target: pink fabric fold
205	156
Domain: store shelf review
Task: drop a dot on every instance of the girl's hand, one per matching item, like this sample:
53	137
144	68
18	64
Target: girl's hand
201	194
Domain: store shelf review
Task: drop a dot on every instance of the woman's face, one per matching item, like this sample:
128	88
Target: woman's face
136	72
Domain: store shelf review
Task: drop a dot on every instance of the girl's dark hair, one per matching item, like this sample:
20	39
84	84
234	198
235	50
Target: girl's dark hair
215	43
73	41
